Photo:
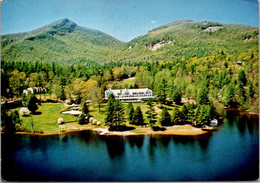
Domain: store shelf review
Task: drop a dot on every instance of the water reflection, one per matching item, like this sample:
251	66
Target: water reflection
241	124
164	140
88	137
204	142
33	141
63	137
151	146
135	141
115	146
243	121
253	123
184	140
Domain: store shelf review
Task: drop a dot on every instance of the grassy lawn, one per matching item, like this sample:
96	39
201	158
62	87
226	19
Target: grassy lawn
122	83
100	116
46	119
45	96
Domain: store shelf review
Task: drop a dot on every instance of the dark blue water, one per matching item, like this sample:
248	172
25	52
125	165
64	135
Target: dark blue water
231	153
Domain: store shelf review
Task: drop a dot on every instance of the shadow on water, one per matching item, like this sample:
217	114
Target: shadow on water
115	146
243	121
135	141
203	141
63	138
253	123
11	144
184	140
88	137
164	140
242	124
151	146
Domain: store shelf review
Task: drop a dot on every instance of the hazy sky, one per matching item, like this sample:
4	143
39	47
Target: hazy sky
123	19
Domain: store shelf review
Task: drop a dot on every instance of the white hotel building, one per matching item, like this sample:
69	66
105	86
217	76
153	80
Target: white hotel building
127	95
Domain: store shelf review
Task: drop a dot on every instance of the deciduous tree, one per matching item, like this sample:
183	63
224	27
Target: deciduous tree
16	81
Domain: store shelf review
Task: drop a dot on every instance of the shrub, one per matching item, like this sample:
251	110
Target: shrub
91	119
24	111
81	119
94	122
60	121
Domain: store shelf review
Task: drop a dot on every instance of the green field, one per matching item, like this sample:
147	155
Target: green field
125	83
46	118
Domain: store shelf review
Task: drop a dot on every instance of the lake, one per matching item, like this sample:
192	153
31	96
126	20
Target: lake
231	153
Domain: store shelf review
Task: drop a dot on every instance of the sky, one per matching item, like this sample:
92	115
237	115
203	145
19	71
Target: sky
123	19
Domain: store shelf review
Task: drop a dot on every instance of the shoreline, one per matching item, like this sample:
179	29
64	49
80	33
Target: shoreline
176	130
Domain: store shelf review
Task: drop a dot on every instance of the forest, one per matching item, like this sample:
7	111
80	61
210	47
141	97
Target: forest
214	86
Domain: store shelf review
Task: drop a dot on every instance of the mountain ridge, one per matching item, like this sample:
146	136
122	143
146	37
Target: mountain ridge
65	41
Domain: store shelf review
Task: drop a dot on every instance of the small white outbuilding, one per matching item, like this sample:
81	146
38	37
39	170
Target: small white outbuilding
214	122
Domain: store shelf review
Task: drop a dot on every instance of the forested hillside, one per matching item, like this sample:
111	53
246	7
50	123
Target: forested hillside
181	59
186	39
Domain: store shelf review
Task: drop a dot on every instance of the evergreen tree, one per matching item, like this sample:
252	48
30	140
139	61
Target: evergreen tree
176	96
165	117
229	94
109	120
81	119
84	108
118	113
32	103
190	115
130	112
241	92
203	114
4	115
176	117
16	119
250	92
84	113
242	77
150	112
226	64
138	116
184	112
161	92
135	85
62	93
203	96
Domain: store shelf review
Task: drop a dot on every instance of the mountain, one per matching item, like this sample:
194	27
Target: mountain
65	42
187	38
62	41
